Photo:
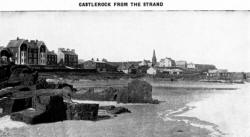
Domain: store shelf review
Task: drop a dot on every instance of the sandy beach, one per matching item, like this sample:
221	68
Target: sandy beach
183	112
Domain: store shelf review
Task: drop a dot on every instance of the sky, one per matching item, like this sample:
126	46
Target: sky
221	38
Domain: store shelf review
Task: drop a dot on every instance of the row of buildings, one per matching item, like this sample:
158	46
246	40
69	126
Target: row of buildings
35	52
166	66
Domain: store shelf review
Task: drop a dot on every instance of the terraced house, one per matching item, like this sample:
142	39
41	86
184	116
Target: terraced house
67	57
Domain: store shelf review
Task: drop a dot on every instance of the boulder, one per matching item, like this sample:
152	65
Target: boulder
115	110
82	111
10	105
53	107
139	92
29	116
45	109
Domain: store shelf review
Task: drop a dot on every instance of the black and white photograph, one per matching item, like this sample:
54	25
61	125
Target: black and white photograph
166	73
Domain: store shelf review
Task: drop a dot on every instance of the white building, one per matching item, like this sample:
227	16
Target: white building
217	71
174	71
191	66
166	62
152	71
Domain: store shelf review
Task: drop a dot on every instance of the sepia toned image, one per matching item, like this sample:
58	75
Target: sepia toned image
124	74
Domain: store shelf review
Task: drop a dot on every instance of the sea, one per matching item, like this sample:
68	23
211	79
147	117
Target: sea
186	109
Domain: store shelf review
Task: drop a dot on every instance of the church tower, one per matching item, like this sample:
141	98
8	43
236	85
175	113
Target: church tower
154	60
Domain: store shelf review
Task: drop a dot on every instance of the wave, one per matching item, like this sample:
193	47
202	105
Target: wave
174	115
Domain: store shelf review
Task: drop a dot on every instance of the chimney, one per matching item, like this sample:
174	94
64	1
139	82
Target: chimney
17	38
73	50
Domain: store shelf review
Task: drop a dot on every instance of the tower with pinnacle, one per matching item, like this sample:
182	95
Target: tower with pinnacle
154	60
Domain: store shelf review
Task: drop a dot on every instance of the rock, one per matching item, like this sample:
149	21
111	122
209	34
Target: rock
82	111
29	116
139	92
45	109
119	110
122	95
115	110
53	107
101	94
21	104
41	83
10	105
22	75
6	105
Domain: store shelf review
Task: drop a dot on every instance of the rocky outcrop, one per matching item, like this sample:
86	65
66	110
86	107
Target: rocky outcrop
137	91
100	94
52	108
22	75
45	109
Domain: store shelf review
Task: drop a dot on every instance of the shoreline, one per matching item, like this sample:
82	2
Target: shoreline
174	127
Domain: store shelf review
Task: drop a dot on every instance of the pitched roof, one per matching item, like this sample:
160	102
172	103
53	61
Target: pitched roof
40	43
15	43
68	52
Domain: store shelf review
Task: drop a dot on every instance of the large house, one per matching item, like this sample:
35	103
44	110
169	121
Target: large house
166	62
26	52
67	57
181	64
